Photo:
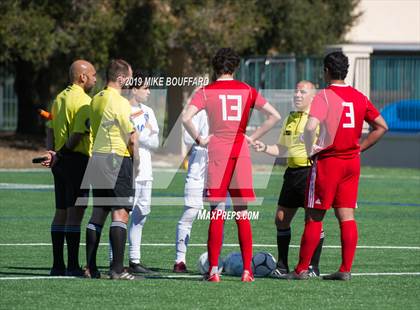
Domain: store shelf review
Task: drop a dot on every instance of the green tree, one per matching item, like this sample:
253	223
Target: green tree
304	27
42	38
199	29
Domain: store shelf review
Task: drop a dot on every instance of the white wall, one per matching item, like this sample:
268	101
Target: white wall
387	21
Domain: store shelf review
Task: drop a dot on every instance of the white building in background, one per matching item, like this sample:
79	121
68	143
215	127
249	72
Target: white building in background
387	25
386	28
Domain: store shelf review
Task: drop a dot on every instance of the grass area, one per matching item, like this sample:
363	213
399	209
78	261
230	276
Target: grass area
388	215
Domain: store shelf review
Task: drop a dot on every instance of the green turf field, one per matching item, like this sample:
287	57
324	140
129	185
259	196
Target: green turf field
389	240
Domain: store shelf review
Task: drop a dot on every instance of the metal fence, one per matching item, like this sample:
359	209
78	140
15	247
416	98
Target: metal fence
394	82
392	79
281	72
8	99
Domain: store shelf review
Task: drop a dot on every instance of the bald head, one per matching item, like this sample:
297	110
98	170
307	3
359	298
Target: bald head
83	73
308	84
304	93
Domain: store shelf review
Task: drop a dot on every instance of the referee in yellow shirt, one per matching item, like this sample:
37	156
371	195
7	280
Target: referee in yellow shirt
292	195
111	169
68	142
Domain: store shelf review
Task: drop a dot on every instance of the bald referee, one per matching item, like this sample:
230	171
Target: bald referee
111	169
292	195
68	144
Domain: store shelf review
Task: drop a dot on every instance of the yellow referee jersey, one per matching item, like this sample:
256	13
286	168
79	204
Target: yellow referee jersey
70	112
292	138
110	122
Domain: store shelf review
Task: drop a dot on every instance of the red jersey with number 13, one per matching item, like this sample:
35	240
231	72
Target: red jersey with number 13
228	103
341	110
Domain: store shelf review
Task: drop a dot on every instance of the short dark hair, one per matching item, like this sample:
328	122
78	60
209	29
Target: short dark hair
116	68
226	61
337	64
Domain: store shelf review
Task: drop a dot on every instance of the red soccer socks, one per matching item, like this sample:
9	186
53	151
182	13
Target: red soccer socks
348	244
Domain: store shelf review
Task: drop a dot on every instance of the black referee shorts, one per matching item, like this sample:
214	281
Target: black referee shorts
112	181
292	193
68	174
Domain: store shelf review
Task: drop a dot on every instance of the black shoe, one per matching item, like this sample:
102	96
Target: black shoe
92	274
124	276
77	272
303	275
313	271
340	276
57	272
279	273
138	268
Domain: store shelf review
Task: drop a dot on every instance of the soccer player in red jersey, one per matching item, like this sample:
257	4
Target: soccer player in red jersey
339	110
228	104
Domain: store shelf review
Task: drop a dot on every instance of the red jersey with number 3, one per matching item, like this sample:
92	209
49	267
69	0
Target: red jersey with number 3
228	104
341	110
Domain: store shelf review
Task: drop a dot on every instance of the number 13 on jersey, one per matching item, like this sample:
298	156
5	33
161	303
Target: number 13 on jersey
235	108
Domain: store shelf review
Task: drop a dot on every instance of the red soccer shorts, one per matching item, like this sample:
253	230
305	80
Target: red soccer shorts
233	175
333	182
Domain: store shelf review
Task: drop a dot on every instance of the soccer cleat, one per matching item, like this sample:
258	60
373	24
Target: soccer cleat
313	271
138	268
247	276
57	272
340	276
303	275
180	267
78	272
279	273
124	276
92	274
215	277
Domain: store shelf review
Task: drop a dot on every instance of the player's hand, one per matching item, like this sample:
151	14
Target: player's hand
259	146
52	159
205	141
315	149
250	140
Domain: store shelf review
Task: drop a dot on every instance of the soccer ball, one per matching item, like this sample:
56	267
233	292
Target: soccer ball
203	264
263	263
234	265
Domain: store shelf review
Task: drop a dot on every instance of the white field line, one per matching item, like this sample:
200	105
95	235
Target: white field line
374	274
25	186
36	278
259	172
387	274
378	247
375	176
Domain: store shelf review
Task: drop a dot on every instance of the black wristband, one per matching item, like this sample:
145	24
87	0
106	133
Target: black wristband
265	147
197	140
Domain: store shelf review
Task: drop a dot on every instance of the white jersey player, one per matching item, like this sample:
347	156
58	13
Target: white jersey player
193	192
146	125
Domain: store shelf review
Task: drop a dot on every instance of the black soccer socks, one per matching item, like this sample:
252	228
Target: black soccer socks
317	253
118	237
57	239
93	236
283	242
73	242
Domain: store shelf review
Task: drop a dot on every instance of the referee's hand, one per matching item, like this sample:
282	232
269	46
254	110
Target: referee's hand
259	146
52	159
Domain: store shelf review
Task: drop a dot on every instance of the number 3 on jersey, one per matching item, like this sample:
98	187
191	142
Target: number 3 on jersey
349	114
236	107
